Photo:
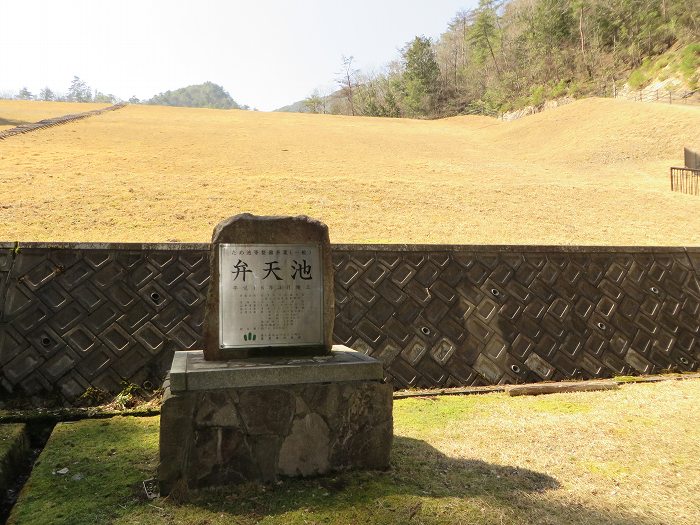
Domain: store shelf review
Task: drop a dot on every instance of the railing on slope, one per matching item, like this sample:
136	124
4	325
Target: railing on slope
660	95
55	121
685	180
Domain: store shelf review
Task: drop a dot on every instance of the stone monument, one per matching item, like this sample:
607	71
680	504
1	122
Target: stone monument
269	395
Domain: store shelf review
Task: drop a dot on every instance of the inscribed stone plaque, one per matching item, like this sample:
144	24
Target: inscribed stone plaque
270	295
264	319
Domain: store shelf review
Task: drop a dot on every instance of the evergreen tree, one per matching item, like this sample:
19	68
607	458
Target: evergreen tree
420	76
25	94
483	33
79	91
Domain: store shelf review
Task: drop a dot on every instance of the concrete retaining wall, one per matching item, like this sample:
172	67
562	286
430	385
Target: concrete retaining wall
95	315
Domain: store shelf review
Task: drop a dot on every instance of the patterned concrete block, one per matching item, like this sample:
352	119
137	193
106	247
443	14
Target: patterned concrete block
98	315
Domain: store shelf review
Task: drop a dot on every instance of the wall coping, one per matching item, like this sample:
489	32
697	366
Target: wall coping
479	248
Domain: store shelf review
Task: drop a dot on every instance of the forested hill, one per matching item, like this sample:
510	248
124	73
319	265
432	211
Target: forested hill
512	53
299	106
206	95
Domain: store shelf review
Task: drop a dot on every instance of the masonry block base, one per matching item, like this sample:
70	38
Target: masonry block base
231	435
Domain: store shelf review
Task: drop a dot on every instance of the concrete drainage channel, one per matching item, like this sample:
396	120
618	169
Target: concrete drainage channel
21	445
23	437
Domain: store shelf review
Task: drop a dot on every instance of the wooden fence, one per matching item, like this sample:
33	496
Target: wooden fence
685	180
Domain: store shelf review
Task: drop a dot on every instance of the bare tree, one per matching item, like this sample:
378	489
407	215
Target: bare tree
347	80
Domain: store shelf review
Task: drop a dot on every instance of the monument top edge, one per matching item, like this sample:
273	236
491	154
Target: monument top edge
339	354
247	225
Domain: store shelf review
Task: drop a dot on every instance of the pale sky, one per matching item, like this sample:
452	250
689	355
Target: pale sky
265	54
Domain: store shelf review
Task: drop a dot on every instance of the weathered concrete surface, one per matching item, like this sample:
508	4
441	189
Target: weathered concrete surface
251	229
561	387
190	371
239	434
691	158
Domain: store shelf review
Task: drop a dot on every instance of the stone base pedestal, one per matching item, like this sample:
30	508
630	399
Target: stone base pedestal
263	418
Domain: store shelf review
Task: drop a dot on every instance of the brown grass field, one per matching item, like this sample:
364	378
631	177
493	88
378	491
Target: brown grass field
594	172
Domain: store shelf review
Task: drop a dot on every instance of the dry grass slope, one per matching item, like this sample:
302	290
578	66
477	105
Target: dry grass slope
16	112
593	172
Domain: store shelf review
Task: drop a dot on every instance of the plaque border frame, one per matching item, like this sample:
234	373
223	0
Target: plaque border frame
319	248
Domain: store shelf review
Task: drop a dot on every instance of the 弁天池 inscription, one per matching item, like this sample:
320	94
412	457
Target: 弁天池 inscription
270	295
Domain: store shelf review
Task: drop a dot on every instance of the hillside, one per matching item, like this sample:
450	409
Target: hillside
295	107
600	132
592	172
506	55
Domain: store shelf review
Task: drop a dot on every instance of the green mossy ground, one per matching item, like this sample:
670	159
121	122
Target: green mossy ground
619	457
9	434
106	460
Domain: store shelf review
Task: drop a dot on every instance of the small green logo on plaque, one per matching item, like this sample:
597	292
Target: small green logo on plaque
249	336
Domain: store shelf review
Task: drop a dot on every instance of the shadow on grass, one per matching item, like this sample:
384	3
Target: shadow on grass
12	122
423	484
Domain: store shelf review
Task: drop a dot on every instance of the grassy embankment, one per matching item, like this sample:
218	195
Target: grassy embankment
592	172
